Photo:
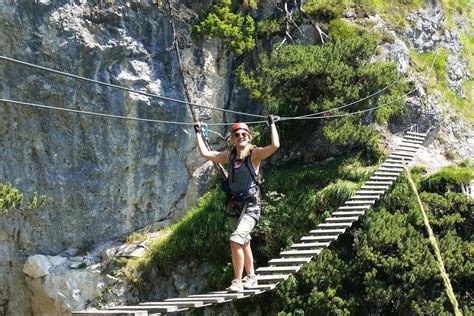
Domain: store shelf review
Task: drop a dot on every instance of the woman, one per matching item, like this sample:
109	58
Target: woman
244	203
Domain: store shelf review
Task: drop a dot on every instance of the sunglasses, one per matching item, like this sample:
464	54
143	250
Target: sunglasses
240	134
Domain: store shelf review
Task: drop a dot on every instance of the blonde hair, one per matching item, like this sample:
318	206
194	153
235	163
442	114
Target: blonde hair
248	148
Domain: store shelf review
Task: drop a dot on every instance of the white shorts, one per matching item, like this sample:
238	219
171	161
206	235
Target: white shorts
242	227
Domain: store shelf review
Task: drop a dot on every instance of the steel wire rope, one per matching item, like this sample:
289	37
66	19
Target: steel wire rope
307	117
113	115
111	85
344	105
192	123
211	124
351	113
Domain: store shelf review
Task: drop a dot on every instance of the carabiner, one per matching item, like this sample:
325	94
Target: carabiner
205	130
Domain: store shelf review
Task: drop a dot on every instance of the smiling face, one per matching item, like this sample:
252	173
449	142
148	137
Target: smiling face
240	138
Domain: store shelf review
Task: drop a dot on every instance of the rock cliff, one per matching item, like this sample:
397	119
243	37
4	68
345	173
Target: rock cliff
107	177
103	177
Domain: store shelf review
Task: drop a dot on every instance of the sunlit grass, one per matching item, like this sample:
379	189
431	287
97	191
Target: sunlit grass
391	11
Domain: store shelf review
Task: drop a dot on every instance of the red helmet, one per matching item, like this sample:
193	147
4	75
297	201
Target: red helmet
237	126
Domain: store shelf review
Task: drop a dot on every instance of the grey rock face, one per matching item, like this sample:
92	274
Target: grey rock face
399	54
424	32
428	31
457	73
103	177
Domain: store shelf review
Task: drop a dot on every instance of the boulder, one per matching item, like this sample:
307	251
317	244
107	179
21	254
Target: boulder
37	266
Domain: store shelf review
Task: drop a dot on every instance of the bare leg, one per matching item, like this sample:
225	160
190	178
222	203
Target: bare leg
248	259
237	259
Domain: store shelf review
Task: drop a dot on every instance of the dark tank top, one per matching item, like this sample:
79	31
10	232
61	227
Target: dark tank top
240	176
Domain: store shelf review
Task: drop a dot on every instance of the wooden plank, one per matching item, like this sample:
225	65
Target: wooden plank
363	197
110	313
396	161
374	187
287	269
410	145
342	219
402	153
387	173
411	141
225	295
286	261
417	134
326	231
369	192
196	303
390	168
400	157
319	238
264	287
389	183
268	278
405	153
383	178
407	148
414	137
300	253
334	225
150	309
358	212
310	245
360	202
191	299
244	292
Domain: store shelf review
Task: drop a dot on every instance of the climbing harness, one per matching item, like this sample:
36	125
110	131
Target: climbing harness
239	202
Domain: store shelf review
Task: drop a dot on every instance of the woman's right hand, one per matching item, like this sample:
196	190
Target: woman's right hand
198	127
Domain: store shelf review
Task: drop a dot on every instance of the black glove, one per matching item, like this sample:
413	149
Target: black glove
271	119
197	128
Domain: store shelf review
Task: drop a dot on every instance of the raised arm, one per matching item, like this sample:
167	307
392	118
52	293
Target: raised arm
212	155
261	153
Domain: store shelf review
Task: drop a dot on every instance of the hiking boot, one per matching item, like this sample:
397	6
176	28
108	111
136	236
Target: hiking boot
249	281
236	286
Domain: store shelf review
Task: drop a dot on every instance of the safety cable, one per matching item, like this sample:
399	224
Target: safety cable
115	116
190	123
312	116
347	104
111	85
185	102
210	124
350	113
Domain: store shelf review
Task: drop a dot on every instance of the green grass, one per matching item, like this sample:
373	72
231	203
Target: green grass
468	49
392	11
452	7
